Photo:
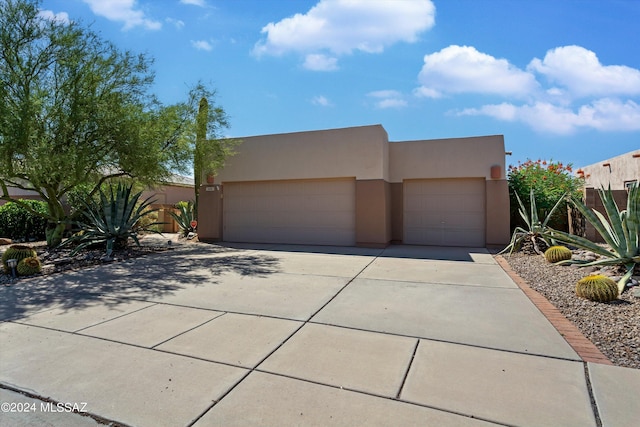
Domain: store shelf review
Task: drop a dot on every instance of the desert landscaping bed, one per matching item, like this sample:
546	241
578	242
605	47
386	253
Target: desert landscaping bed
613	327
62	259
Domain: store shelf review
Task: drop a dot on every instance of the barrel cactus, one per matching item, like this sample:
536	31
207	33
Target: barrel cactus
557	253
18	252
598	288
29	266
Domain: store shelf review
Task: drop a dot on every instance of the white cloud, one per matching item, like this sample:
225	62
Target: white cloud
463	69
388	99
321	100
580	71
343	26
61	17
391	103
179	24
123	11
320	62
570	73
607	114
202	45
201	3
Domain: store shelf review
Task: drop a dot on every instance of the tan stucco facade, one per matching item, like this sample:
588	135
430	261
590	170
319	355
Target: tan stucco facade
616	172
380	169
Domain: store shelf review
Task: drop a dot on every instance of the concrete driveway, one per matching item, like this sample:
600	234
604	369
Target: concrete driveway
276	335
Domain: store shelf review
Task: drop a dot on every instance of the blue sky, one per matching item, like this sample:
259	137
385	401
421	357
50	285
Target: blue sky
560	79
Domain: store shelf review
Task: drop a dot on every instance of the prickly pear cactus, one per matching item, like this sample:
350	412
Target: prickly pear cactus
597	288
18	252
557	253
29	266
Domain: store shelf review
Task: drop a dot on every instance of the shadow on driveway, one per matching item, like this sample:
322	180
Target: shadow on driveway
148	277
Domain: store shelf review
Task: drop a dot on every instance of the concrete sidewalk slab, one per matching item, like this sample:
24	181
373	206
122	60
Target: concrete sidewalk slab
439	253
236	339
81	316
418	270
152	325
465	314
288	296
357	360
320	264
617	393
127	384
269	400
36	413
326	250
509	388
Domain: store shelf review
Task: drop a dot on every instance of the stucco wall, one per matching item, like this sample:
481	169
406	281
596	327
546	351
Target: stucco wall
622	168
446	158
170	194
360	152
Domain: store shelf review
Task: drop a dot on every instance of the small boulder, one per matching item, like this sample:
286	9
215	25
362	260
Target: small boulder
5	241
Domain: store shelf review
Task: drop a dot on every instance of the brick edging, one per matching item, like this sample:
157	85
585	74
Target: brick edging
587	351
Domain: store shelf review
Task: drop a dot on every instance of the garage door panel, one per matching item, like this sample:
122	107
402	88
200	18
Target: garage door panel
448	212
308	212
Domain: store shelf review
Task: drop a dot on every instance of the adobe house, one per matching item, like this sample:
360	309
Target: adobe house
352	186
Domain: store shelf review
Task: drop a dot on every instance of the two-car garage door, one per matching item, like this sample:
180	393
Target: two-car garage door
444	212
318	212
441	212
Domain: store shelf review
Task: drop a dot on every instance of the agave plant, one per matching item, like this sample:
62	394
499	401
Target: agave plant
184	217
536	231
619	229
113	220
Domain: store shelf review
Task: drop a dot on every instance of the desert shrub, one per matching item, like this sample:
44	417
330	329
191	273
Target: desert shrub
184	217
113	220
620	229
18	223
549	180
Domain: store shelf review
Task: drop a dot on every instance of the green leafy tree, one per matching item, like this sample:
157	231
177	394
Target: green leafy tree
549	181
76	111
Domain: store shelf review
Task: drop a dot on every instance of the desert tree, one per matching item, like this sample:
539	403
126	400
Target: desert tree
76	111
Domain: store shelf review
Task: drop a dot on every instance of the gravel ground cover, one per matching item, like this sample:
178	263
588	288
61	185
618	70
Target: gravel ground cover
613	327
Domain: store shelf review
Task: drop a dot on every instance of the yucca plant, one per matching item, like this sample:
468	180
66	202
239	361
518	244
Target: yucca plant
184	217
619	229
113	219
536	231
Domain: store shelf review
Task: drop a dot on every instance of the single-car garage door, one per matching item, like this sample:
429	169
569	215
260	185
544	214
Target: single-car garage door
444	212
320	212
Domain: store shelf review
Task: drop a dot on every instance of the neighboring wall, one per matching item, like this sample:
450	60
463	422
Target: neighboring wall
170	194
19	193
615	171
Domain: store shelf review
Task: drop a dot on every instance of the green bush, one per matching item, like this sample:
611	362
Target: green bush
18	223
549	181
